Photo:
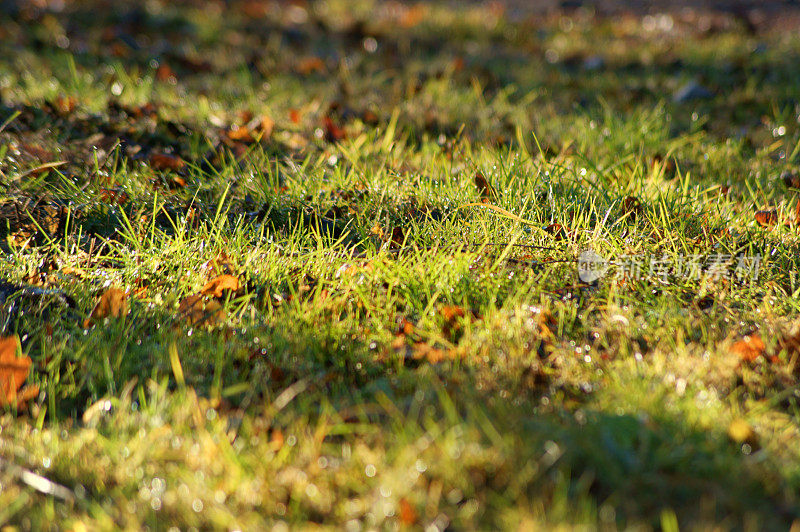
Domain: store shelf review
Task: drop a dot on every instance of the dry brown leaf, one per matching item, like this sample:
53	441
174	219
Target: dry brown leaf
749	348
484	188
558	231
112	304
196	310
397	237
220	264
791	179
217	286
632	206
377	230
546	324
13	372
767	218
166	161
333	133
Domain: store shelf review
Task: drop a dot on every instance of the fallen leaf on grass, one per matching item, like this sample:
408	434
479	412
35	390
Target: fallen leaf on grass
333	133
397	237
165	73
220	264
112	304
64	105
165	161
558	231
632	206
749	348
113	196
197	310
767	218
452	312
404	327
791	179
13	372
408	515
433	355
546	323
311	64
240	133
484	188
377	230
217	286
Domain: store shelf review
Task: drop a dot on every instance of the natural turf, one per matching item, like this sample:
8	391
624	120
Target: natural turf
402	194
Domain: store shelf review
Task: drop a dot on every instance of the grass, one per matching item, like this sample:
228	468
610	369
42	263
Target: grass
408	347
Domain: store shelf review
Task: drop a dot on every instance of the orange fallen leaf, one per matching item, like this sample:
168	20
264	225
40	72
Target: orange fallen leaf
113	196
333	133
165	161
404	327
266	126
413	15
546	323
13	372
65	104
165	73
433	355
310	64
451	315
451	312
749	348
408	515
241	133
217	286
767	218
198	311
112	304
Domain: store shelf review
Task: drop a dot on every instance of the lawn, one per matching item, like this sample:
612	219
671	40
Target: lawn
278	265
